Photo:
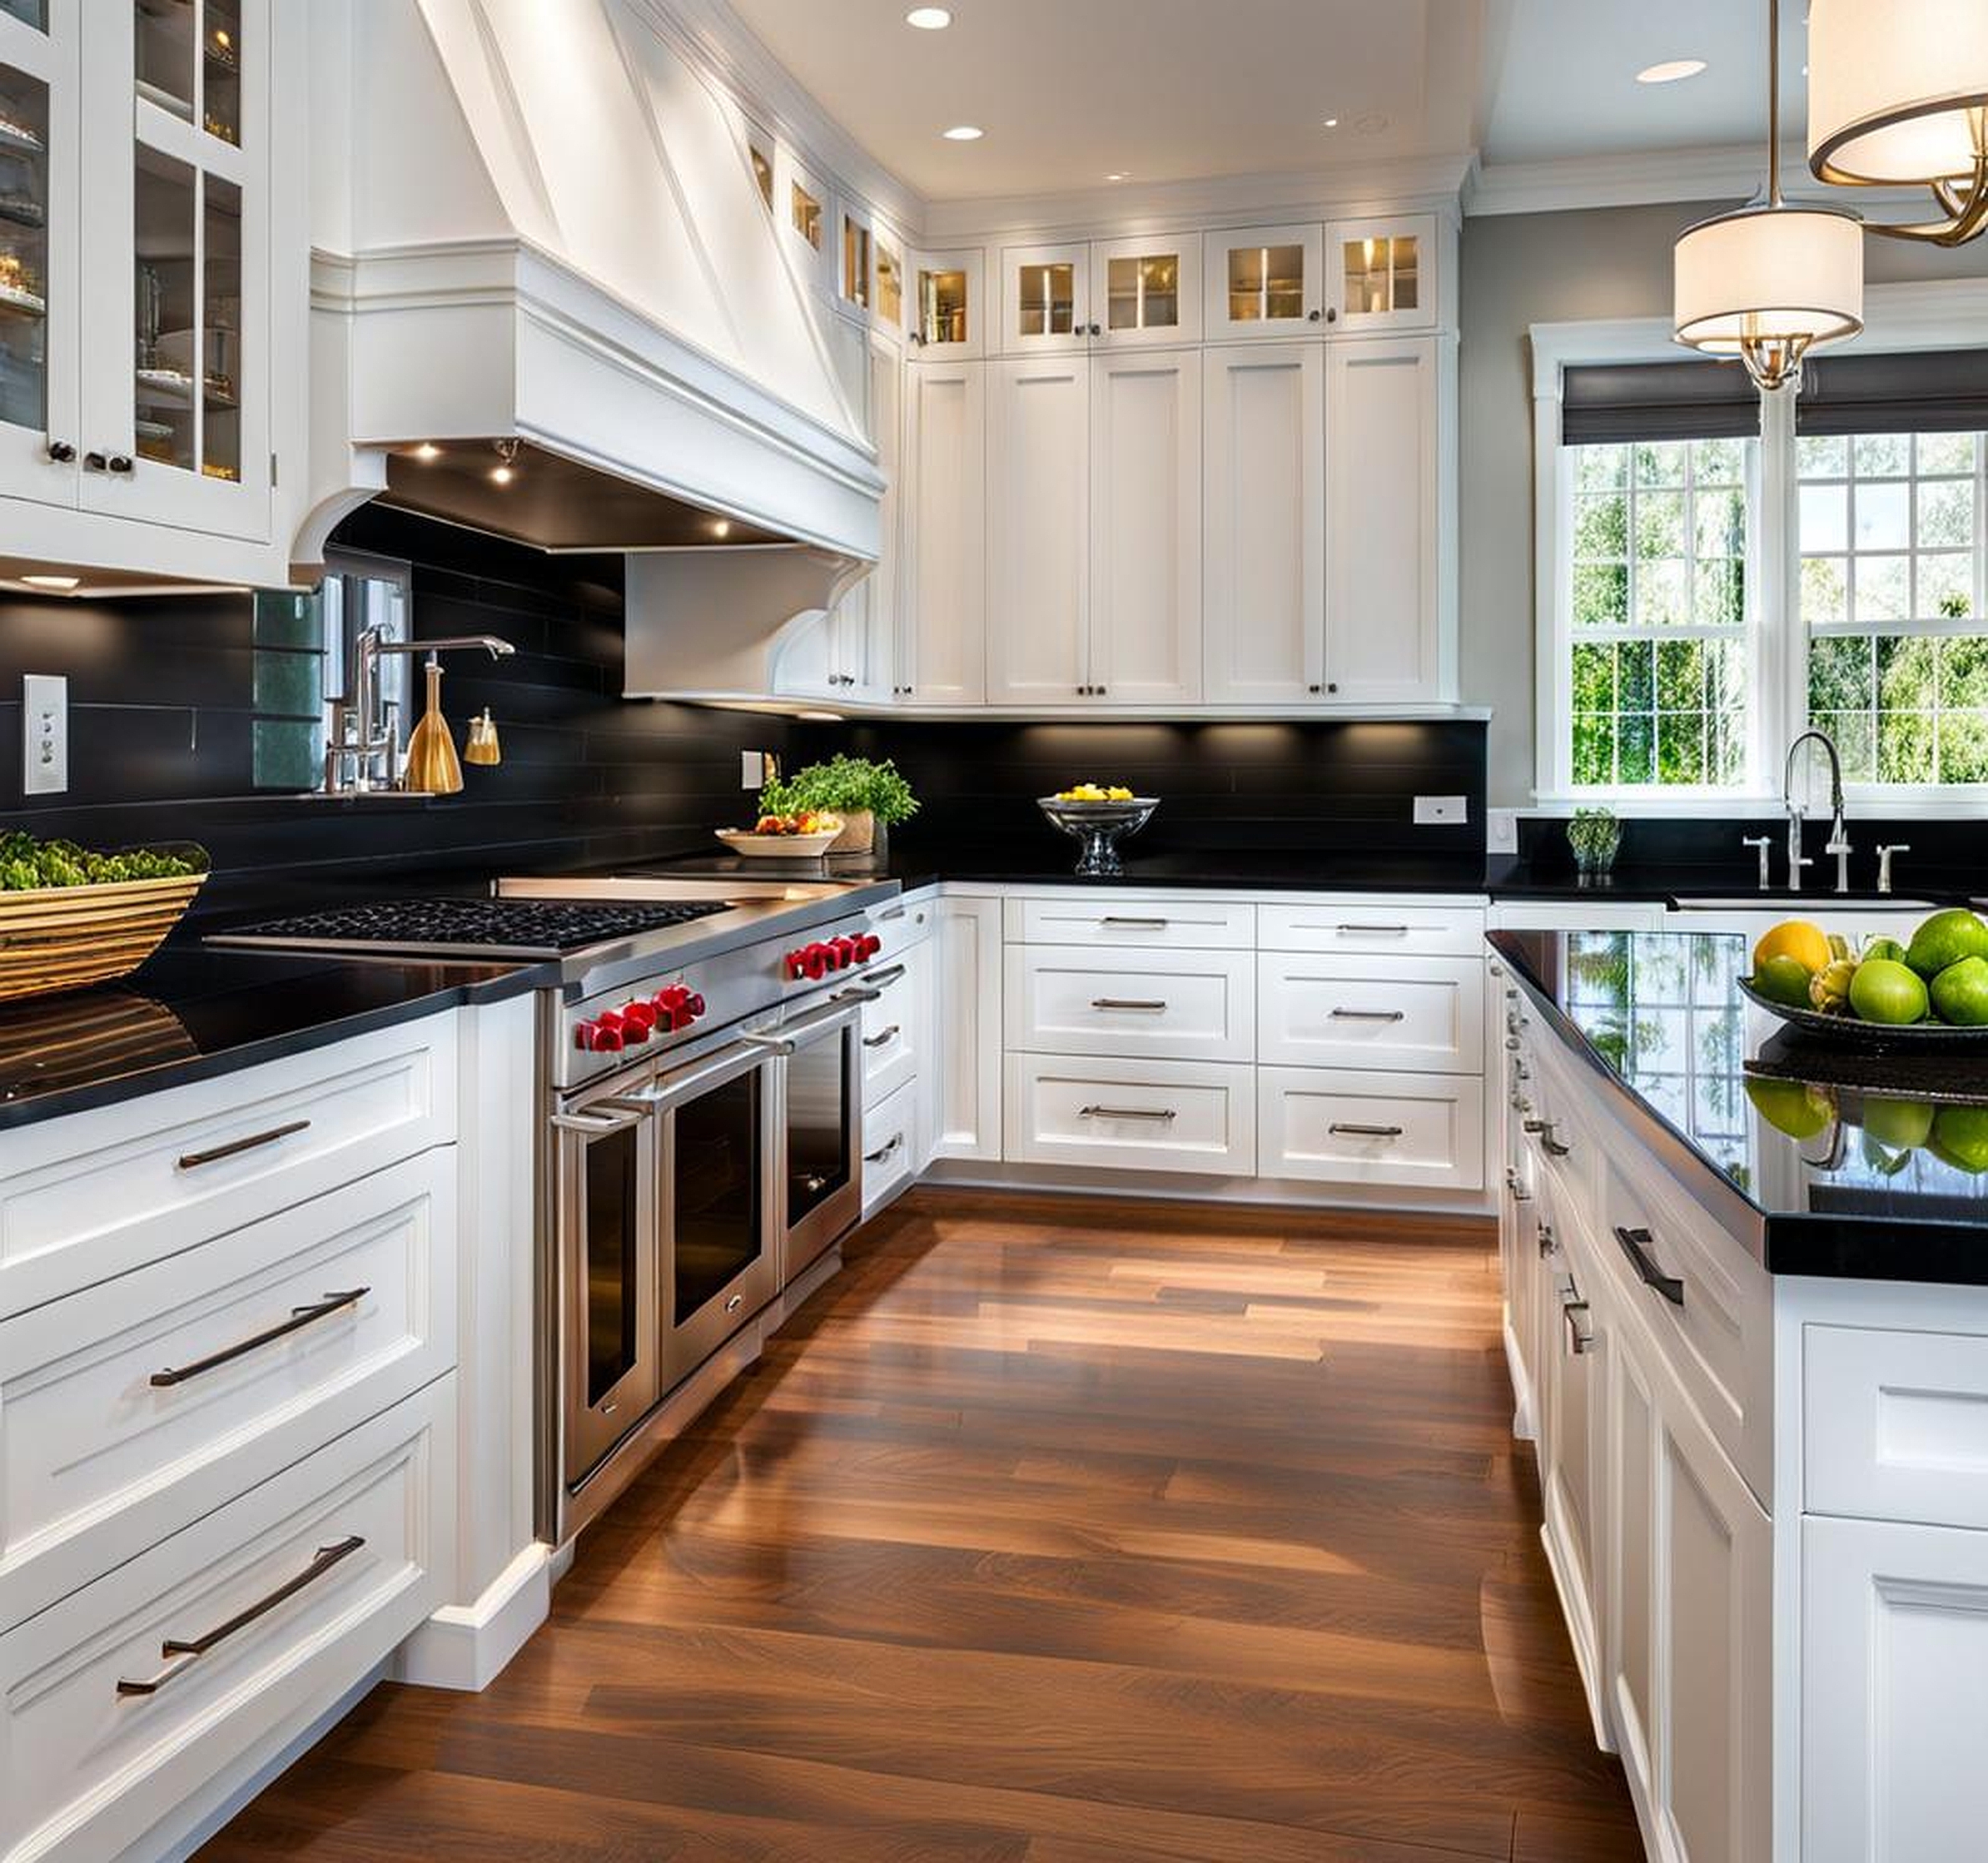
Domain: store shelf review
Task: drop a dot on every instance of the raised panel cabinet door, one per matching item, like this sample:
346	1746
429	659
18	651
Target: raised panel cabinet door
1039	532
1263	507
178	170
1894	1692
1263	282
1145	528
942	629
948	306
1045	298
1382	640
967	966
40	286
1145	291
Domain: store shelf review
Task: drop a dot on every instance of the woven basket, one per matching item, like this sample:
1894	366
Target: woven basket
68	938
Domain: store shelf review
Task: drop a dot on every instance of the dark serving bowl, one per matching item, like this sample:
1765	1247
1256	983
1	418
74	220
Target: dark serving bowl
1848	1032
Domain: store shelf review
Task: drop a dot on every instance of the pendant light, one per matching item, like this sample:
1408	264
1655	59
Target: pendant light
1768	282
1898	97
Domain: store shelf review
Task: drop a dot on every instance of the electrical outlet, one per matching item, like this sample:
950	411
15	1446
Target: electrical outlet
751	769
44	733
1501	831
1447	812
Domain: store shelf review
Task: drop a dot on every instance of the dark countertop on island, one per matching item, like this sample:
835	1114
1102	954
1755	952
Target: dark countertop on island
1862	1166
191	1012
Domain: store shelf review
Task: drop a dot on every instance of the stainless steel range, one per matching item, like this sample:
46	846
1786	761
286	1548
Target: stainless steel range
701	1129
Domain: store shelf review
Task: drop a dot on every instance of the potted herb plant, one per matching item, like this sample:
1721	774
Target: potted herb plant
871	797
1594	834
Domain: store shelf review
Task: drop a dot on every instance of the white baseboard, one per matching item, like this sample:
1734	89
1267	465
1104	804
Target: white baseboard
466	1645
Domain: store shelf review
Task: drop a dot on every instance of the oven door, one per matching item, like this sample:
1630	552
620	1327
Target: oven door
610	1374
717	1201
821	1130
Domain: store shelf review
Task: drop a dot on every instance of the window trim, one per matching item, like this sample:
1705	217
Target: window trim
1940	315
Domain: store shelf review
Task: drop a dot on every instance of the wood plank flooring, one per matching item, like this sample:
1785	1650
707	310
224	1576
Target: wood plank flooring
1053	1531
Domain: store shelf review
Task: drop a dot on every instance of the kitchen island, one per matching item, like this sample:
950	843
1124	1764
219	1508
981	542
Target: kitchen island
1747	1328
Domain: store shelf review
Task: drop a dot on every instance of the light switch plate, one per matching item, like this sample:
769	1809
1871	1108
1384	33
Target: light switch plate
1501	831
1447	812
44	733
751	769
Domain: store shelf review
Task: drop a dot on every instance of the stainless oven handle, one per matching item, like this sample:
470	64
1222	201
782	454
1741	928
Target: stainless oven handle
841	1009
603	1118
672	1089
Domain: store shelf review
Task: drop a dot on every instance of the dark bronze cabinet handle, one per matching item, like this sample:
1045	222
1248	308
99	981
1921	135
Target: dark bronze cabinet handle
1367	1016
299	1317
1154	1006
1346	1129
878	1157
60	451
884	1038
183	1652
96	462
1636	1246
1159	1114
192	1160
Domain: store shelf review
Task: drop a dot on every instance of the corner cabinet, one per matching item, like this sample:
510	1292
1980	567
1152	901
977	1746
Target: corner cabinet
153	281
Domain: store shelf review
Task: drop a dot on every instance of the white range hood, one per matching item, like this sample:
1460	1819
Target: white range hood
544	247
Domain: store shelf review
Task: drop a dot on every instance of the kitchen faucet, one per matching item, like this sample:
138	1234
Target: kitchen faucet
362	734
1839	841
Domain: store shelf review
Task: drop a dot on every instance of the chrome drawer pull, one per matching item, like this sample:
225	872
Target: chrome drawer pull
192	1160
1345	1129
190	1651
878	1157
1548	1246
1636	1246
299	1317
1127	1003
1520	1193
1142	924
883	978
1162	1116
1373	931
885	1037
1369	1016
1580	1336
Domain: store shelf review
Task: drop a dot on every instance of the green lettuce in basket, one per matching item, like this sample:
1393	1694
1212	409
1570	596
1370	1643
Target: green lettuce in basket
27	864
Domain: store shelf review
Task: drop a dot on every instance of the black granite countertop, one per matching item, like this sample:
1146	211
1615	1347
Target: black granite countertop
191	1012
1861	1166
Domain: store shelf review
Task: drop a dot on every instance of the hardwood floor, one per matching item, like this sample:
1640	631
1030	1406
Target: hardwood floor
1053	1531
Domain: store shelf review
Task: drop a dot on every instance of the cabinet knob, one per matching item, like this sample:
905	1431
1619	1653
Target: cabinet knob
1315	689
1332	685
1313	316
1332	316
96	462
60	451
121	462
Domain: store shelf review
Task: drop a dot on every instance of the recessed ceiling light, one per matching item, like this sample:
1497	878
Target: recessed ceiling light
928	19
721	527
1115	176
1332	122
1670	71
503	474
819	718
65	584
964	132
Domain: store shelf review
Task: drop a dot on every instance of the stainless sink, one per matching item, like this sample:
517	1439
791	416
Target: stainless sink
1808	902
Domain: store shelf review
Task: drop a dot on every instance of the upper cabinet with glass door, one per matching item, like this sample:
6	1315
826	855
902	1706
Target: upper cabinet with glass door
1110	294
1383	274
947	306
1045	298
1263	282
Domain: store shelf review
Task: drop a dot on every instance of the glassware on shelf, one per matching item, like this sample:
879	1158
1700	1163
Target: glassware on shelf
220	69
1144	293
1048	299
166	410
941	306
219	330
1266	284
23	249
1382	275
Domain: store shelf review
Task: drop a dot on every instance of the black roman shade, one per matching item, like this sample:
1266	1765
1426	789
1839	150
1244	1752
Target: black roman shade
1607	404
1922	391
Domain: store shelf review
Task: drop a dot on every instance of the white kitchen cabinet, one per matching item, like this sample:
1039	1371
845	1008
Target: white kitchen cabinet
140	162
1045	298
1895	1692
1389	600
1094	530
1145	291
966	1085
1421	1015
1151	1116
1262	504
942	605
1177	1006
948	306
1144	607
1382	275
1689	1639
1263	282
1336	1125
1039	531
804	212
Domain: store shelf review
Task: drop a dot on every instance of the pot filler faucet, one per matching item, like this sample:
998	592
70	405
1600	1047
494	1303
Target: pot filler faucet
364	753
1839	841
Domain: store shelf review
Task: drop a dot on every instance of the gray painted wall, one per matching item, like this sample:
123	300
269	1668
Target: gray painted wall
1523	269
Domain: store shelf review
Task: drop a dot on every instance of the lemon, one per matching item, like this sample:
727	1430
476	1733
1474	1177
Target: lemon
1808	944
1944	940
1885	991
1783	980
1961	993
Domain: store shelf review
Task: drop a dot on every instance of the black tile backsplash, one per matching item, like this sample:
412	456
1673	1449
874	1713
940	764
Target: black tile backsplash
1312	787
164	705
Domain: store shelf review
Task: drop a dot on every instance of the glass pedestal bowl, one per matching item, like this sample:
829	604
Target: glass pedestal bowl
1098	827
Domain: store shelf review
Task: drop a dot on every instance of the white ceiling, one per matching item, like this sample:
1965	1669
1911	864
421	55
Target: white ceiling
1070	91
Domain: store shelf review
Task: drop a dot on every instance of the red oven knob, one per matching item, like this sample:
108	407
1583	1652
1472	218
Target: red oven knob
695	1007
841	952
638	1022
811	961
601	1036
867	945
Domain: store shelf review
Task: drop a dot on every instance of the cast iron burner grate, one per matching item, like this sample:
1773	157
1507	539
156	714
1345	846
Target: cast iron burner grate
529	925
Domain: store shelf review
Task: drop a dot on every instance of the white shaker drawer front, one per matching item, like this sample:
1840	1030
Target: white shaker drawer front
1153	1115
893	1026
901	924
1425	1014
1375	925
1897	1426
1171	924
1348	1128
94	1196
890	1147
1188	1005
130	1694
132	1408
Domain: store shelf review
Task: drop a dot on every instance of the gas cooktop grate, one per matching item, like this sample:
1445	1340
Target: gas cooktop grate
529	925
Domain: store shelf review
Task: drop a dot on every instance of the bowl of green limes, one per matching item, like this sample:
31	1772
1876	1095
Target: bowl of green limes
1930	992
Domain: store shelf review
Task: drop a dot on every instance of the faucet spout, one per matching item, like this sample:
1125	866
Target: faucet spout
1839	839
